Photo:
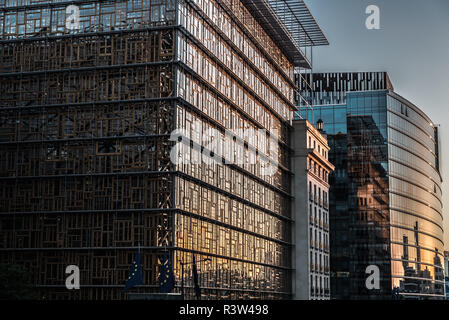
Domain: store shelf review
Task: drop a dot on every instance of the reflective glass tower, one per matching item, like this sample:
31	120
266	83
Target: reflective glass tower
385	196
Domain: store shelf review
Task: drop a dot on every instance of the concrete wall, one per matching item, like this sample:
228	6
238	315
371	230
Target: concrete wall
300	233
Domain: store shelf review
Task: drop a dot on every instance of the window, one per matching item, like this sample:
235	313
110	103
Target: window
404	110
108	147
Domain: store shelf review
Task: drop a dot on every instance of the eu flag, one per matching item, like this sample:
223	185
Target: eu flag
166	277
195	280
135	274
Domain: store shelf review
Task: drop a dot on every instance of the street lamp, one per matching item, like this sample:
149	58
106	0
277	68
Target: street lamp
182	273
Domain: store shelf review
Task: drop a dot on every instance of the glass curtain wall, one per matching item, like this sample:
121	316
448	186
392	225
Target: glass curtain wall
233	214
415	201
385	196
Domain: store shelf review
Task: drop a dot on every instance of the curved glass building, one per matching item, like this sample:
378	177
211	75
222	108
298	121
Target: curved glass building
385	195
415	200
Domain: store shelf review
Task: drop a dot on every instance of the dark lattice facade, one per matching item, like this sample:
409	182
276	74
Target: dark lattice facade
85	123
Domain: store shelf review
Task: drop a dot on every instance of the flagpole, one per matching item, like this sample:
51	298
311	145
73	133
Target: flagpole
182	280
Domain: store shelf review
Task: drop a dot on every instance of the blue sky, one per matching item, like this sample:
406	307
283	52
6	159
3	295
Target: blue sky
412	45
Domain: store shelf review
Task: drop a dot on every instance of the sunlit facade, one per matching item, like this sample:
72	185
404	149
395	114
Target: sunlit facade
311	271
87	172
385	196
416	216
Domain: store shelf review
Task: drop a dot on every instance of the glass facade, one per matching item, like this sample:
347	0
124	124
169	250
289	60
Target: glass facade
385	195
368	202
234	214
415	202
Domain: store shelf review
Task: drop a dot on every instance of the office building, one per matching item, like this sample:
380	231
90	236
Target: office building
310	211
385	192
93	95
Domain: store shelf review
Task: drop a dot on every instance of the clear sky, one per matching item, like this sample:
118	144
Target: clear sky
412	45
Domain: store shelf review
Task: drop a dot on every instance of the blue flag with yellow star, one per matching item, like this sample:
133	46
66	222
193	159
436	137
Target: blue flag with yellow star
166	277
135	273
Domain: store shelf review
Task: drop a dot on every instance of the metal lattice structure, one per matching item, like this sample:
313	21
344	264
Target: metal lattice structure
86	117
